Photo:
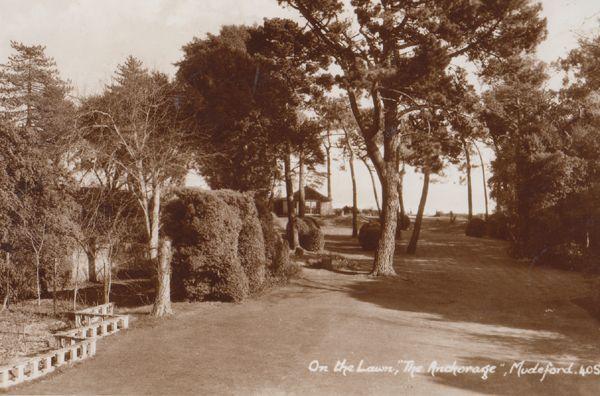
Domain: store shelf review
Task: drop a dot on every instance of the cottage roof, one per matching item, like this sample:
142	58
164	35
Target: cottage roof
310	194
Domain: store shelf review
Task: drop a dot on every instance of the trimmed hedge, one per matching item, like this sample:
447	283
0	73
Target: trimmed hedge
369	234
476	228
277	251
313	240
209	262
251	243
310	236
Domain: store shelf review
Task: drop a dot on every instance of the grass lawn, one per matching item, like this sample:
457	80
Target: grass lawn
458	299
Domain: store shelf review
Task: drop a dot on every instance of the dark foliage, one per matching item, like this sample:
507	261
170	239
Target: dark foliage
251	243
226	246
205	233
497	226
569	256
476	228
310	236
369	234
313	240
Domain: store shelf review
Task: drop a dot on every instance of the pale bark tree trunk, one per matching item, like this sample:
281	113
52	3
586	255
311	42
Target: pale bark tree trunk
412	246
485	194
354	194
76	288
91	256
469	182
154	234
384	256
7	296
107	281
401	191
289	193
374	184
354	189
386	167
301	194
37	278
328	153
54	276
162	303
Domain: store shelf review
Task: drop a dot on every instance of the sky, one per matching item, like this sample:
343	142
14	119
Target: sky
89	38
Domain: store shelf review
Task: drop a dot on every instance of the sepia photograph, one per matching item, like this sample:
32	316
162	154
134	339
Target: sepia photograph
300	197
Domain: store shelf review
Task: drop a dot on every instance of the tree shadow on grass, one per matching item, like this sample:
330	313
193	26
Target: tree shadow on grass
470	289
506	380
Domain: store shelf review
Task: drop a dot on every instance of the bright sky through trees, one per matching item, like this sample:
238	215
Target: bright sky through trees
89	38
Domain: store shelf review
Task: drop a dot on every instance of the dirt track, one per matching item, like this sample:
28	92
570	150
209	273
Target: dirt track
459	299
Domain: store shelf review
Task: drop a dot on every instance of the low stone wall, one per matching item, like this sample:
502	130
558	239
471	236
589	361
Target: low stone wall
93	314
75	345
38	366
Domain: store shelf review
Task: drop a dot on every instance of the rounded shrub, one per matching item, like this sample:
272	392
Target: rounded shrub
251	243
277	251
270	234
476	228
205	232
310	236
568	256
368	235
403	222
281	263
497	226
313	240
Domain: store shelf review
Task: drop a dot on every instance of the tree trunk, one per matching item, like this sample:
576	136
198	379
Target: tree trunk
412	246
301	195
91	255
485	194
37	278
374	184
289	194
162	303
107	281
469	183
154	236
401	191
328	153
76	288
383	264
55	274
7	296
354	196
